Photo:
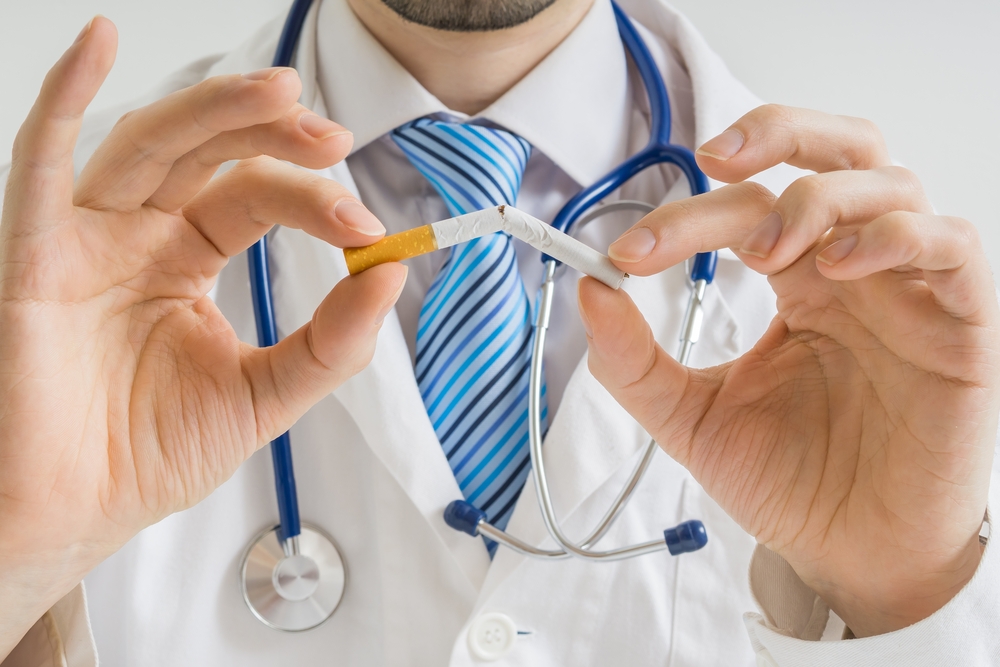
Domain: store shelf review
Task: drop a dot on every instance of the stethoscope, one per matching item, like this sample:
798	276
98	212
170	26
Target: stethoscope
293	575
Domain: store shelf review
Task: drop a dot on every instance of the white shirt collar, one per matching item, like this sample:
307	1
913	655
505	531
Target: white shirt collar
573	106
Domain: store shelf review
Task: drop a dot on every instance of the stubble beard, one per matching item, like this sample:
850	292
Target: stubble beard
468	15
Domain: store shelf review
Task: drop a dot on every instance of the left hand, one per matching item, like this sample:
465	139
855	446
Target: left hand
856	438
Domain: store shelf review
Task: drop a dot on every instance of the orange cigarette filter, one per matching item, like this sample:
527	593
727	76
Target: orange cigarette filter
394	248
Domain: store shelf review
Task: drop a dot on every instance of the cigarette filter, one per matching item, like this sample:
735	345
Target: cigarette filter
393	248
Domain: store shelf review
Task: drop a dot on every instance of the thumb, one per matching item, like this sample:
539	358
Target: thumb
292	376
667	398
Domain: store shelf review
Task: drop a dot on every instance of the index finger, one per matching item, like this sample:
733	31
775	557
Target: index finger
40	185
720	218
136	157
772	134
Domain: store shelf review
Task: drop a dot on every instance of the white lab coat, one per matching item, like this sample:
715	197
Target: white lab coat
371	473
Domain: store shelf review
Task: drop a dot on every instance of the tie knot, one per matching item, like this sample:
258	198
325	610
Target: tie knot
472	167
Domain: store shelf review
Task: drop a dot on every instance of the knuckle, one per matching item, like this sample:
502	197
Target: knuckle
899	229
636	376
684	212
774	114
676	216
125	117
202	156
898	224
252	209
766	121
206	90
754	196
129	127
326	198
201	106
252	140
754	192
17	148
199	111
905	178
870	130
684	221
124	121
252	175
809	189
966	233
252	165
867	147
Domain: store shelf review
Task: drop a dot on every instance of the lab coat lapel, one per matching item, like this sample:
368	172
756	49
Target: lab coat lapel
383	400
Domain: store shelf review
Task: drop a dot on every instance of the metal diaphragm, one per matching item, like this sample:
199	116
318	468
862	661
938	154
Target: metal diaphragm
293	592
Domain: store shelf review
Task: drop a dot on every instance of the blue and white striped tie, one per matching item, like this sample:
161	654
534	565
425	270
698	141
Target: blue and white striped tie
474	333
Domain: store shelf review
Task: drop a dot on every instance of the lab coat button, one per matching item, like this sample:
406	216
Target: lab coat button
491	636
764	659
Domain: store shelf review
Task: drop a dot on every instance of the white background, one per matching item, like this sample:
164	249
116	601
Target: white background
928	72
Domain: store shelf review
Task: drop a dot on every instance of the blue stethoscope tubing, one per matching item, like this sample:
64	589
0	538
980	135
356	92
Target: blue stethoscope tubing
657	151
263	307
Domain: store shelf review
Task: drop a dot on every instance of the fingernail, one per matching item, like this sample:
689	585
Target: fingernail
724	146
319	127
633	246
764	237
356	217
388	305
265	74
837	251
85	31
587	327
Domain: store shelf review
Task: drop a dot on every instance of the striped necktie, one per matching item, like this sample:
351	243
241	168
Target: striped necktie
474	332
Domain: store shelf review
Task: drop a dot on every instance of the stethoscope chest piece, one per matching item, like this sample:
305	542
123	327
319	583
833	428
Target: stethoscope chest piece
294	588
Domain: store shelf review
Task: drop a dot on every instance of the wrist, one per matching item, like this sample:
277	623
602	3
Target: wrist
34	576
27	593
894	602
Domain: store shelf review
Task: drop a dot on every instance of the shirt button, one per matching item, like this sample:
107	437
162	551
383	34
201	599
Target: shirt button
764	659
491	636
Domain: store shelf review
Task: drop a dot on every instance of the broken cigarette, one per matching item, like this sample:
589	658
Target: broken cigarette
446	233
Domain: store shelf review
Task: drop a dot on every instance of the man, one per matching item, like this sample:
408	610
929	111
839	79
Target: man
850	435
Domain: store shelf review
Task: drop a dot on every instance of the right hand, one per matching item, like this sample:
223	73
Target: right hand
124	393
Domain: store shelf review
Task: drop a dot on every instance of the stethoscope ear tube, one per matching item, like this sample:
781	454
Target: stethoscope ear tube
461	515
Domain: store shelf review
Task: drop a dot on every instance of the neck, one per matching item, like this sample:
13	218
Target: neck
468	71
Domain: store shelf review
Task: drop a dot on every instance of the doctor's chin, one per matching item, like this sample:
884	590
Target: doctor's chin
451	332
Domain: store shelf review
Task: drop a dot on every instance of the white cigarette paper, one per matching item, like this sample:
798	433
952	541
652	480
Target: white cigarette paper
535	233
